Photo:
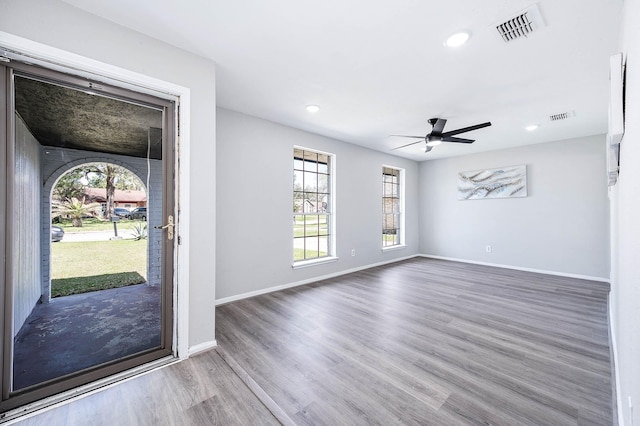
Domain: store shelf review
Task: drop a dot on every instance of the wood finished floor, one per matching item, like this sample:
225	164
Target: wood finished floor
201	390
429	342
421	341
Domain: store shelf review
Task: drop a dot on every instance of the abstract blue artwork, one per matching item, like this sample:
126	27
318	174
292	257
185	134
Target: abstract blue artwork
493	183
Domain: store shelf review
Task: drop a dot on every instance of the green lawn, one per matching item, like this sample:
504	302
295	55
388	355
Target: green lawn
315	225
309	226
298	254
69	286
389	238
97	265
93	224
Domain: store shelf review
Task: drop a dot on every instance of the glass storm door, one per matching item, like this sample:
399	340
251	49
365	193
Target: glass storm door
87	229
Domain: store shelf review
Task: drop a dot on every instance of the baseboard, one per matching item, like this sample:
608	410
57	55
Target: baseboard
307	281
201	347
518	268
614	368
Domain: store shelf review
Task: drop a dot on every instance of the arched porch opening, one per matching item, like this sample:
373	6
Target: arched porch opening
57	162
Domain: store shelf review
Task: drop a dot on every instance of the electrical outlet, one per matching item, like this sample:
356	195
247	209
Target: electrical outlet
353	252
488	249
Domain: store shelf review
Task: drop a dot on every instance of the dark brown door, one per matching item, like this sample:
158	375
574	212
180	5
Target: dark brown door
100	300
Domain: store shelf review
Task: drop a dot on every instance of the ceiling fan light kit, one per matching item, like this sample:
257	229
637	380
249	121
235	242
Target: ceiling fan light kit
437	136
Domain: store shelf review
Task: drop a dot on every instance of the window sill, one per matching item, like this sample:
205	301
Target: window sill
313	262
392	248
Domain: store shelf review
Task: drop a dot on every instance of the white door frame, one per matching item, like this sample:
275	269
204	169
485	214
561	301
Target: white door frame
19	48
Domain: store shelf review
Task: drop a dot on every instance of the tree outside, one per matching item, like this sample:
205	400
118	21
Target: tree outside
69	185
110	177
75	208
69	192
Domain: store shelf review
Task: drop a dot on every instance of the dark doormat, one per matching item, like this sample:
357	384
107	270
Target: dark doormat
76	332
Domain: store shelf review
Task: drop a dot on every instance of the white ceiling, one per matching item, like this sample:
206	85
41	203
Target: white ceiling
378	67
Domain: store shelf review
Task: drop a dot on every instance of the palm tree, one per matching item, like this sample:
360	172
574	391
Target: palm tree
74	208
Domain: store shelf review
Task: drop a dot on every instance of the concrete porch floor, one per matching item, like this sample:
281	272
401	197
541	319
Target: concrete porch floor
76	332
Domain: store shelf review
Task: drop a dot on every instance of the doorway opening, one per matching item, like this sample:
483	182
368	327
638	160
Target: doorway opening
98	247
58	125
101	207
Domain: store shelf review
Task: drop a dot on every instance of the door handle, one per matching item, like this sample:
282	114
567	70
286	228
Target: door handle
169	227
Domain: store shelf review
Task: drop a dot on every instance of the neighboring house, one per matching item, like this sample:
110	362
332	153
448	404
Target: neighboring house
128	199
311	206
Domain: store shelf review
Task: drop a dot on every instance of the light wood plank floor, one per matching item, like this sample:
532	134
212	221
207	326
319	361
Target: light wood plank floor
429	342
202	390
416	342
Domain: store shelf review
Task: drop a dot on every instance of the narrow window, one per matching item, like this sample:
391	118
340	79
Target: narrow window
312	205
392	206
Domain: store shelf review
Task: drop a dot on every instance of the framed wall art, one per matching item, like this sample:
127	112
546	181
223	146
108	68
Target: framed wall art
504	182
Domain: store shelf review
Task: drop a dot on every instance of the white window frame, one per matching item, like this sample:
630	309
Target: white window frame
401	204
331	215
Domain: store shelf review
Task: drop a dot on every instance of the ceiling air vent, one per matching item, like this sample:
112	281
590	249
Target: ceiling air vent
562	116
522	25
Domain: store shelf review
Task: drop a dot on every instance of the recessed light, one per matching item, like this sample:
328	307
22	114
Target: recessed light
313	108
457	39
531	127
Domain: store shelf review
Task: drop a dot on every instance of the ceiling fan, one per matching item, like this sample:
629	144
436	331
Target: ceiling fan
436	136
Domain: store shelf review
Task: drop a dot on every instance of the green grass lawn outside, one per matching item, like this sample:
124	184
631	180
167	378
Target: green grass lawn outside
298	254
69	286
97	265
93	224
389	238
315	225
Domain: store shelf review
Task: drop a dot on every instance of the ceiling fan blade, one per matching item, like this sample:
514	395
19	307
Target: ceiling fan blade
466	129
409	144
460	140
427	149
407	136
438	127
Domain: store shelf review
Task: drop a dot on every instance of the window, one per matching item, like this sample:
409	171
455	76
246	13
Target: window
392	206
312	204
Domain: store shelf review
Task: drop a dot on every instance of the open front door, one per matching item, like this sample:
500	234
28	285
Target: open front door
81	303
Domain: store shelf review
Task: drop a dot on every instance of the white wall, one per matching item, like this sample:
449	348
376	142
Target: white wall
562	226
255	201
62	26
26	227
625	241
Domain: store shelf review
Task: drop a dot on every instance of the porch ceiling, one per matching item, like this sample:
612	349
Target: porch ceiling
63	117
